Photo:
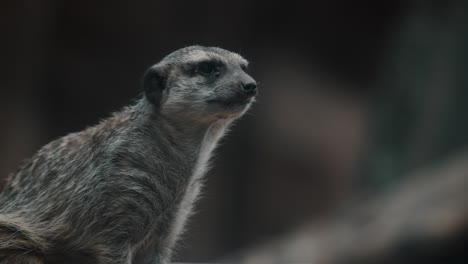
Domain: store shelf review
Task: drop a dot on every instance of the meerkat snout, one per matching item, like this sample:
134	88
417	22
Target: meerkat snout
248	85
250	88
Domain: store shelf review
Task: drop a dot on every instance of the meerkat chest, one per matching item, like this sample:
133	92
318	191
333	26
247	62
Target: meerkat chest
176	218
194	185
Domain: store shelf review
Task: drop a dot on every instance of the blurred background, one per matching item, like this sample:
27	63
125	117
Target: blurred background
354	153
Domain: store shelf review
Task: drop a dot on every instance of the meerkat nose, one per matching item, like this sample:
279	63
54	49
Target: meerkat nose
250	88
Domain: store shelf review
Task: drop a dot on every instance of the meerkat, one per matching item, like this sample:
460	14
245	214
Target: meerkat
121	191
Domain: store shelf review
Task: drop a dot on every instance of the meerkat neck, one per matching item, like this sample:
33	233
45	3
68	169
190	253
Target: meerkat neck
193	138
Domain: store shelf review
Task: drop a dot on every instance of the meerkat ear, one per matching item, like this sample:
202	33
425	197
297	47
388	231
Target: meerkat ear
154	82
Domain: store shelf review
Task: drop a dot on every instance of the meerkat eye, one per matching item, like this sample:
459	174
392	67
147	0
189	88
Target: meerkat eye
208	68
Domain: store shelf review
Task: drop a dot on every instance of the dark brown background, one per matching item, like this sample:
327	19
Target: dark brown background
353	94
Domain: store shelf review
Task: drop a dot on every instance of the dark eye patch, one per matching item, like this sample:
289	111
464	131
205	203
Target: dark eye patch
209	68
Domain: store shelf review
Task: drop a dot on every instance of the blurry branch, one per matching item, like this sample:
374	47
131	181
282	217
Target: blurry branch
420	221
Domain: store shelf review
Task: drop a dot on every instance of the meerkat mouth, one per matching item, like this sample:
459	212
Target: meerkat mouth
231	102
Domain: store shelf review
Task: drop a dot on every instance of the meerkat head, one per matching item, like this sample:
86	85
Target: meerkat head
200	83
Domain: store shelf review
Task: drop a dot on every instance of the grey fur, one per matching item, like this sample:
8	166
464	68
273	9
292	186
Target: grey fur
121	191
